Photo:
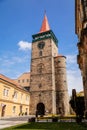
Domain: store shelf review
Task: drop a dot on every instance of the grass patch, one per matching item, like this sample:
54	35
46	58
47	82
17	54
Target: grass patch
49	126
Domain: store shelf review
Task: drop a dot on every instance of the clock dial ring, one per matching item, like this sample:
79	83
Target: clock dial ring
41	45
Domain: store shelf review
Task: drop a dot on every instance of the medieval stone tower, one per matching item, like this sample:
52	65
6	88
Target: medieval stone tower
48	84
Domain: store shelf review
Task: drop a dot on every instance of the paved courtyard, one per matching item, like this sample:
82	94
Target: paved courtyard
7	122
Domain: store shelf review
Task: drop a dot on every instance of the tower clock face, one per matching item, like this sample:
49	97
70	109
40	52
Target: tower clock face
41	45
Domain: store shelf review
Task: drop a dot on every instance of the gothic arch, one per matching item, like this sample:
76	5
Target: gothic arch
40	109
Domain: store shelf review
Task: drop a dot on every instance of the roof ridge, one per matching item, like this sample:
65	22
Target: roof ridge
11	81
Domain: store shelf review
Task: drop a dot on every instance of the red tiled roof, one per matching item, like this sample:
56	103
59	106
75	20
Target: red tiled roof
3	77
7	79
45	25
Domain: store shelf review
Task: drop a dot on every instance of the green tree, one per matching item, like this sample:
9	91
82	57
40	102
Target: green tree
78	105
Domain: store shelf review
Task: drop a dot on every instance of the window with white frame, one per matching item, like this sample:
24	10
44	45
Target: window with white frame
5	92
27	98
14	109
15	94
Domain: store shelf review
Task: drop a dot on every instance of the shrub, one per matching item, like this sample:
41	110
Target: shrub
31	119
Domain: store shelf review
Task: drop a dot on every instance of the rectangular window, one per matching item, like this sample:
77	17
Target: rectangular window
40	53
22	80
14	109
18	81
27	80
27	98
15	94
5	92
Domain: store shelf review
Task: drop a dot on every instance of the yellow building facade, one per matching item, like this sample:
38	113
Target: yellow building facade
14	100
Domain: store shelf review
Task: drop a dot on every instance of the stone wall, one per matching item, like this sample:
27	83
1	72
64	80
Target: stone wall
62	97
42	79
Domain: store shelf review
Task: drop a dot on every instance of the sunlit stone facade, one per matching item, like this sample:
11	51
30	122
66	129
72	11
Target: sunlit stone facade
81	31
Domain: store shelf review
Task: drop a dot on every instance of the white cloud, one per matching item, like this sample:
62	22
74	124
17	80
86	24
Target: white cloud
24	45
74	81
74	77
14	65
13	60
71	59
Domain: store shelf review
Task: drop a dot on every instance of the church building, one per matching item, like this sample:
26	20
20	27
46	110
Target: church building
48	80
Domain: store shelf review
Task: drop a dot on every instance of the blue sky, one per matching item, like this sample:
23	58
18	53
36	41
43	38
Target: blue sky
20	19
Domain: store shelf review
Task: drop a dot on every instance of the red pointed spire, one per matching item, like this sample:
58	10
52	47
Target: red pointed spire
45	25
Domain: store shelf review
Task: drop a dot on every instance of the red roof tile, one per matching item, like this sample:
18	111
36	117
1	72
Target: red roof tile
7	79
3	77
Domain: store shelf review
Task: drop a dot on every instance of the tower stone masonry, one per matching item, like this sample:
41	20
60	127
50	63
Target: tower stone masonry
48	82
62	98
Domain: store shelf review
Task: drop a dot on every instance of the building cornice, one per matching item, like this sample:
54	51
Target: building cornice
45	35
